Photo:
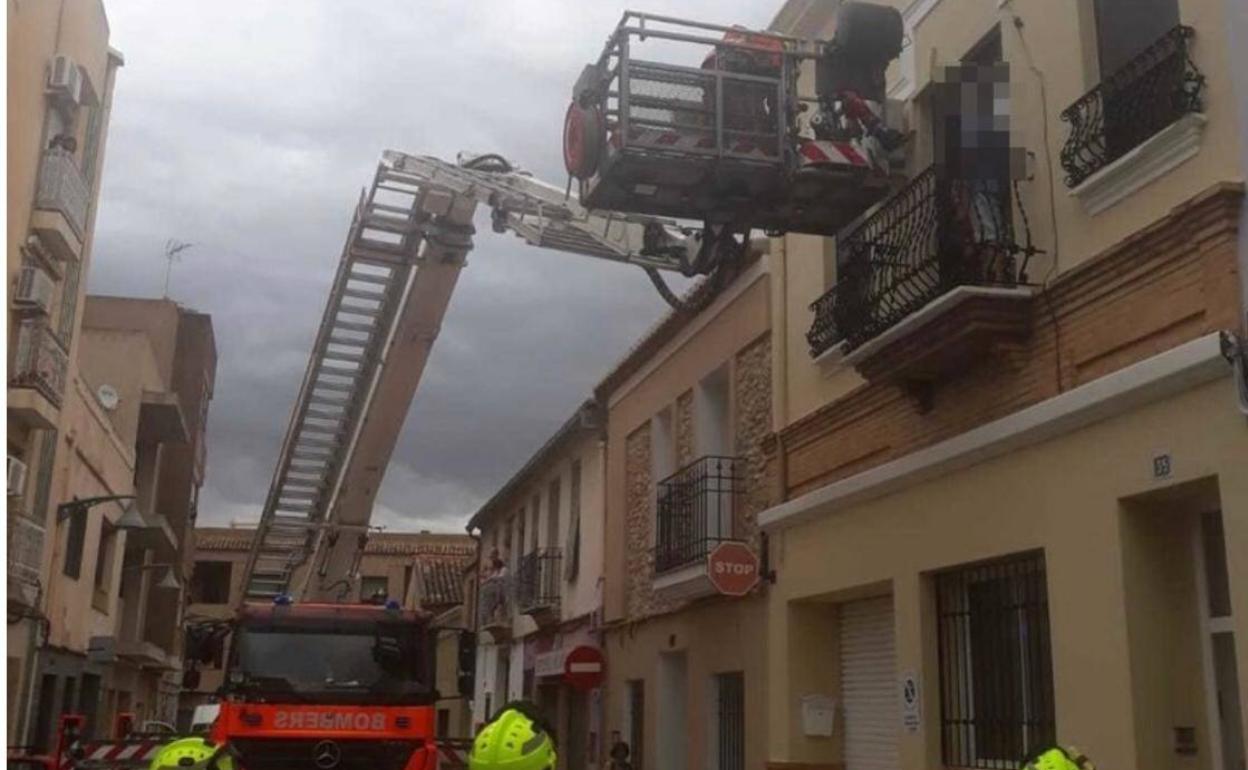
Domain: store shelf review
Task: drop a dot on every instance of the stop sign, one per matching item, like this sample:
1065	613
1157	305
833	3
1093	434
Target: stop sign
732	568
582	668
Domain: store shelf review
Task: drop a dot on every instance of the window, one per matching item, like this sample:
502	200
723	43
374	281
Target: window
552	514
444	723
662	446
730	720
572	551
374	586
535	511
104	559
996	669
711	414
74	543
210	582
1126	27
637	722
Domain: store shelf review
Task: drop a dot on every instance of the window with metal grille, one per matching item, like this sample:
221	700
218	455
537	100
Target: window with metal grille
996	669
74	543
210	582
373	586
730	727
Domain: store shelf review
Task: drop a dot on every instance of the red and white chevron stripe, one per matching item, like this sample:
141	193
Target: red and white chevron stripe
136	752
822	152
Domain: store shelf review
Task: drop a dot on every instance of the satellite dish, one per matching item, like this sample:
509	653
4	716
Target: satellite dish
108	397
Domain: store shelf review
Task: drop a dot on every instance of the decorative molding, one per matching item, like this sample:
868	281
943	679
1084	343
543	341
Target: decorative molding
1174	371
1165	150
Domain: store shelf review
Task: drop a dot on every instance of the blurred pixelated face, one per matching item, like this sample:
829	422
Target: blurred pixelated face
971	121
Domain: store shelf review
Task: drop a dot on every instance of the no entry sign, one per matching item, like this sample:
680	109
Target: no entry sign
582	668
732	568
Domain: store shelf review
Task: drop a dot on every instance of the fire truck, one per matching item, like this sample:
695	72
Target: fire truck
680	139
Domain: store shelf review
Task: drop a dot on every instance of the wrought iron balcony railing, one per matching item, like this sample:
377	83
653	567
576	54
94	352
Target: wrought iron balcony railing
934	235
696	505
539	579
1148	93
40	361
63	188
494	602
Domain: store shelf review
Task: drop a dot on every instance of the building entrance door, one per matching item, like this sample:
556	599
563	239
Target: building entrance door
1224	700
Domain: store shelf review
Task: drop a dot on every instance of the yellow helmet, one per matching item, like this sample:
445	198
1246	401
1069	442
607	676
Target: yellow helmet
196	752
1059	758
513	741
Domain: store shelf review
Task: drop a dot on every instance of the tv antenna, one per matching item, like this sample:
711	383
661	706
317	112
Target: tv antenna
173	247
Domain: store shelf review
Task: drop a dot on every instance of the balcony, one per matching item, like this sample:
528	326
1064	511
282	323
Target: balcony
60	217
1138	123
494	608
928	280
39	370
695	509
538	584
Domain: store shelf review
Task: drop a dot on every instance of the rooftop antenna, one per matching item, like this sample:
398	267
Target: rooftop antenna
173	247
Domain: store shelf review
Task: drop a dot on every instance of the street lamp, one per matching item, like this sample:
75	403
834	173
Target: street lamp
130	516
169	581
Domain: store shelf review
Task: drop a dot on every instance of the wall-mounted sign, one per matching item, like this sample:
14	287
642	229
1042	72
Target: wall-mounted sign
911	708
818	715
584	667
733	568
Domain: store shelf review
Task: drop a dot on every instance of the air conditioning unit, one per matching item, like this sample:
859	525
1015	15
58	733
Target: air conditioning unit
37	248
65	80
35	290
16	476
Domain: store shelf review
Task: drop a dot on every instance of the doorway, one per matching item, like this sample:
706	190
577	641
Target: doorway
673	722
1225	705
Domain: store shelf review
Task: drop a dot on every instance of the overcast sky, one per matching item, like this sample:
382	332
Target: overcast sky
248	128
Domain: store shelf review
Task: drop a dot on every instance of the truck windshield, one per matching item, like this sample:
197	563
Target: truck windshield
320	660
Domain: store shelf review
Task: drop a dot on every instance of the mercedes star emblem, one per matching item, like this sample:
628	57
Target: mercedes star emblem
326	755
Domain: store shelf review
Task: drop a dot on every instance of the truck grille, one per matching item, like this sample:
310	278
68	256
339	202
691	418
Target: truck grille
310	754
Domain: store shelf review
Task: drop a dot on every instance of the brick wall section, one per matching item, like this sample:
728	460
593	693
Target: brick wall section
1169	283
640	600
751	388
685	448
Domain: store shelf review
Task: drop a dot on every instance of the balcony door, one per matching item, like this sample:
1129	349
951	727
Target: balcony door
713	439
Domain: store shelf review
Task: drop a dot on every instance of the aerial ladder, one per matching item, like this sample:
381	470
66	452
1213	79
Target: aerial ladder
407	243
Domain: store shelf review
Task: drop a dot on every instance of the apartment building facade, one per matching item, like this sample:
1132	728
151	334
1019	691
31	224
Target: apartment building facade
538	593
60	85
125	486
1009	431
418	569
687	411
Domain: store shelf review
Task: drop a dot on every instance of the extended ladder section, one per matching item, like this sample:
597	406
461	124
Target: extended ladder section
406	246
370	291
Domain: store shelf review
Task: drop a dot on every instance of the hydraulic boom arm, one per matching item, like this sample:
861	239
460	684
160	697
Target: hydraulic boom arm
408	240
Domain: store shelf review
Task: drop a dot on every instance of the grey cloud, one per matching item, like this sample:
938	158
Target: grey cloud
249	128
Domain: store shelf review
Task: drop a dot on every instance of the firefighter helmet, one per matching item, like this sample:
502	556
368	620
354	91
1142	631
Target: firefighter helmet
186	753
514	740
1059	758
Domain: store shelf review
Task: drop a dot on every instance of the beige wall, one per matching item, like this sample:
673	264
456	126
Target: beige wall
1120	590
1058	38
716	637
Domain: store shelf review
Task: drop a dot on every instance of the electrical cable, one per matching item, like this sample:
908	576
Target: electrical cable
1045	286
